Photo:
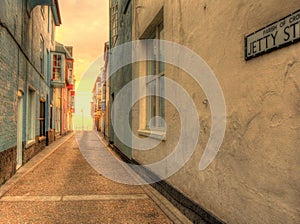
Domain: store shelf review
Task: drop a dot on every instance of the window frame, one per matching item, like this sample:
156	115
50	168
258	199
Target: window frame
57	110
31	106
42	117
57	76
155	78
51	116
115	20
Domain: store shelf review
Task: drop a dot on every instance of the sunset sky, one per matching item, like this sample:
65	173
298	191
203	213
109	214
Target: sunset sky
85	26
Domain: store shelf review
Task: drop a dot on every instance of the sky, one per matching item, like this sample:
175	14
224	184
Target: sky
85	26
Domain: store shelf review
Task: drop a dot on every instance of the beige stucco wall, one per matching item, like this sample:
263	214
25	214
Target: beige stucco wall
255	176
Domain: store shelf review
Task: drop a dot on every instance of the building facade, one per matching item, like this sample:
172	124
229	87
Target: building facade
107	92
120	33
27	30
62	82
96	103
255	176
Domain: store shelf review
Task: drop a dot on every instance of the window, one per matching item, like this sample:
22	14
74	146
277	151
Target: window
42	117
99	104
31	115
155	82
57	109
103	93
57	119
114	23
42	54
98	88
57	67
70	76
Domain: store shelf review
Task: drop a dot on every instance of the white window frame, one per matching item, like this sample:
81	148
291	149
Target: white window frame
155	78
115	20
57	110
31	114
61	76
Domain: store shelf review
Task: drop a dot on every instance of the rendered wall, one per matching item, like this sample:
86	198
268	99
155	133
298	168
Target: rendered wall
255	176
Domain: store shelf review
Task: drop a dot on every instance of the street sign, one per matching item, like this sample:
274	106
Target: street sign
281	33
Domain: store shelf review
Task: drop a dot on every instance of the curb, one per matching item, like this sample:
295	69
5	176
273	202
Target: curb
33	163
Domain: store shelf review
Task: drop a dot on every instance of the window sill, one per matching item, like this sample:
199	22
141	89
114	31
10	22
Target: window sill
160	135
29	144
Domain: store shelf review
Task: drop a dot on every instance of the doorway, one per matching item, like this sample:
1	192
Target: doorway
19	130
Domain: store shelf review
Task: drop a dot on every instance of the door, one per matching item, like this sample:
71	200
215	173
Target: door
19	130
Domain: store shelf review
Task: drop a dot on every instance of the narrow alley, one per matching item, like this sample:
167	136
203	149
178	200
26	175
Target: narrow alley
59	186
150	111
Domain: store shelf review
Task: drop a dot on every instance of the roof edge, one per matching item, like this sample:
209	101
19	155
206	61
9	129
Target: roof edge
56	13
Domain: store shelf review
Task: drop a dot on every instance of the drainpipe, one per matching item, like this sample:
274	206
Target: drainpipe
61	113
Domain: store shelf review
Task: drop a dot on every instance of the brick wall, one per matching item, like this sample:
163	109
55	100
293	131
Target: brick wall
8	164
31	151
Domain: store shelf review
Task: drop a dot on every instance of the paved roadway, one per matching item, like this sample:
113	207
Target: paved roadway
60	186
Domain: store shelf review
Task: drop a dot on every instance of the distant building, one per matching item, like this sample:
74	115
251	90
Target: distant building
96	103
27	34
100	97
70	84
62	81
120	33
107	91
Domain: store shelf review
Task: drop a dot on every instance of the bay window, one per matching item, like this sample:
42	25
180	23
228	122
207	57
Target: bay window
57	69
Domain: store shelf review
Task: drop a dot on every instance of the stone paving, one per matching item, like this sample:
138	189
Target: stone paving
64	188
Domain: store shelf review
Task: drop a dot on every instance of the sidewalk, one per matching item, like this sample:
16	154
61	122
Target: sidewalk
59	186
